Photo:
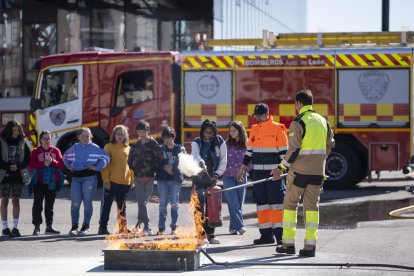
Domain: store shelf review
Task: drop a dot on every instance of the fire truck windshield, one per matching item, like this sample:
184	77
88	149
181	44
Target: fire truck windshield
58	87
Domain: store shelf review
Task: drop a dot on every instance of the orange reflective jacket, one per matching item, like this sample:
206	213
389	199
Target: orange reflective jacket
267	145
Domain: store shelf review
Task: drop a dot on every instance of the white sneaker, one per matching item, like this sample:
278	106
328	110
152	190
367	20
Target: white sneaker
147	232
242	231
214	241
233	232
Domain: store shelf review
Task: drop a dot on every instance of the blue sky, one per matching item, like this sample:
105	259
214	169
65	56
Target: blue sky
357	15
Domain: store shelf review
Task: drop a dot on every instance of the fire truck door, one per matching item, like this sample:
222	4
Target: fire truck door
60	100
136	97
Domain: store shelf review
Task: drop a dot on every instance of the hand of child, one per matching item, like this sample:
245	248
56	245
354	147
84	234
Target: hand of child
91	167
107	185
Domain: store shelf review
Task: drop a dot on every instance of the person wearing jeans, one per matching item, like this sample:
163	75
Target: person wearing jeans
236	148
118	180
144	159
84	159
235	202
169	179
82	190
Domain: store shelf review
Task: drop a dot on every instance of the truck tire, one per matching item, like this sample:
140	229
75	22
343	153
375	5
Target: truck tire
343	167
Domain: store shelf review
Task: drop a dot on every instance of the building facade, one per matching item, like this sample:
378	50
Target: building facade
33	28
248	18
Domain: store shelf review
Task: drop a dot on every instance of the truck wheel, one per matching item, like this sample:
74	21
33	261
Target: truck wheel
364	173
343	168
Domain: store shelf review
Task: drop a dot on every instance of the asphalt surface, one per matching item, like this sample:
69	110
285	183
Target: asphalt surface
355	230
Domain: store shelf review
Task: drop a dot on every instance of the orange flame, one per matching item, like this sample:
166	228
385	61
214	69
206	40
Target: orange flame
186	238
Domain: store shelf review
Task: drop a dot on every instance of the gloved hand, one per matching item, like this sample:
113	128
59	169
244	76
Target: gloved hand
214	179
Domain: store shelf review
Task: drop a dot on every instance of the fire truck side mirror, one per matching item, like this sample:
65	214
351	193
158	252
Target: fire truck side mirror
114	111
34	104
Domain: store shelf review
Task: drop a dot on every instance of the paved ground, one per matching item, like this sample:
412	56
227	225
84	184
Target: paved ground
355	226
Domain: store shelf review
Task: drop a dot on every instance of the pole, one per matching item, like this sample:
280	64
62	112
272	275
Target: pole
246	184
385	15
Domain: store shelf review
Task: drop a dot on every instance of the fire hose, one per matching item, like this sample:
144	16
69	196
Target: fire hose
399	212
341	265
246	184
395	213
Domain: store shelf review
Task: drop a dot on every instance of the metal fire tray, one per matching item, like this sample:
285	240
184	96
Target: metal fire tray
159	260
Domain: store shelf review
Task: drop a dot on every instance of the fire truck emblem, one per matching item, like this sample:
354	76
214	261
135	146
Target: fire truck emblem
208	86
373	85
57	116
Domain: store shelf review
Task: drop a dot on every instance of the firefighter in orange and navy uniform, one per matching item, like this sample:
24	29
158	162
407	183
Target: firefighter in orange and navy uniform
266	147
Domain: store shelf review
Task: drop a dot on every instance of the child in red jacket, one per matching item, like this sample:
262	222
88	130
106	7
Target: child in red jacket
47	161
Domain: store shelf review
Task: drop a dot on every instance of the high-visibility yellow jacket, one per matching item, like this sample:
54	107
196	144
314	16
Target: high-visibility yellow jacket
310	142
266	146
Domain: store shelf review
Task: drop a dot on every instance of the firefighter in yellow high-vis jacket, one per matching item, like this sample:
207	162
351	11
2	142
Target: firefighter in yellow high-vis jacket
310	142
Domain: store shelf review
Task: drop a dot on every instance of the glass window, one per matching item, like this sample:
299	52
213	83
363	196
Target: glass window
10	53
114	2
141	33
107	29
9	4
189	35
218	10
6	117
59	87
39	40
134	87
74	30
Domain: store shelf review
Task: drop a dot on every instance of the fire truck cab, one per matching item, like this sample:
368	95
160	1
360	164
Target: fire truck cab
363	86
100	90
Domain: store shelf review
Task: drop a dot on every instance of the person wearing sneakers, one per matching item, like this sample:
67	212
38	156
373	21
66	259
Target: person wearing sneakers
46	160
83	159
169	180
118	179
266	147
144	159
14	174
210	151
310	142
236	147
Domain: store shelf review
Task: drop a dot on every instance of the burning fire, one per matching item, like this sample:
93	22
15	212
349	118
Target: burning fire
187	238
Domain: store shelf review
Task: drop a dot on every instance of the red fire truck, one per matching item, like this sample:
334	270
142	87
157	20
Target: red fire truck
362	83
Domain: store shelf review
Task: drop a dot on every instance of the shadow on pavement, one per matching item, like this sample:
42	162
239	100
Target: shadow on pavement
331	195
361	190
57	238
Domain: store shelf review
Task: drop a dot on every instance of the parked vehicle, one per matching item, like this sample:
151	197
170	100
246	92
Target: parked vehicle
365	91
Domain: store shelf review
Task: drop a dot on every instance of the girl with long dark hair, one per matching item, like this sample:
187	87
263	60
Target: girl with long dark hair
14	159
210	151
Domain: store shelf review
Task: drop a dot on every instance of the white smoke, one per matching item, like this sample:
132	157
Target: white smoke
188	165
